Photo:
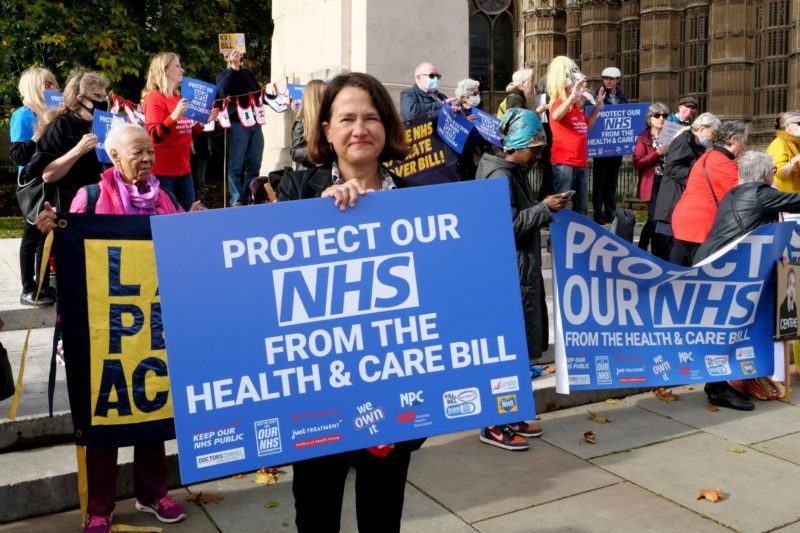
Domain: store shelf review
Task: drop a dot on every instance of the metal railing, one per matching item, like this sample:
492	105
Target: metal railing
626	184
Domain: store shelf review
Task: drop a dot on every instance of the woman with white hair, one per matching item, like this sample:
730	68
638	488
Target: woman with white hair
468	96
519	90
128	188
785	151
24	121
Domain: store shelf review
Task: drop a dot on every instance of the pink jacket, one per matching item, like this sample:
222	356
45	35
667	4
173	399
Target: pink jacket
110	203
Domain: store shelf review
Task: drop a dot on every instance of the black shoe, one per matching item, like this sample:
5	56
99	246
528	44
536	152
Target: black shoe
29	298
731	400
600	220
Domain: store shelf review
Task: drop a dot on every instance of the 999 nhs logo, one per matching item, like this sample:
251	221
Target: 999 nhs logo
462	402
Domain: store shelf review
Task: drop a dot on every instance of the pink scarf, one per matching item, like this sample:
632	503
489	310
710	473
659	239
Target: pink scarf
138	199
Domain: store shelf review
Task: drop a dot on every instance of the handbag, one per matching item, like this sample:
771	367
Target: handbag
6	378
30	194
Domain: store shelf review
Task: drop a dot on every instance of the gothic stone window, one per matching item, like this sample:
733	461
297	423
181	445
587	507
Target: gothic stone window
491	43
772	47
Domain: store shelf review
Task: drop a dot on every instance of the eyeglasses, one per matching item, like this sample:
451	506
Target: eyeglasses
439	76
660	115
49	84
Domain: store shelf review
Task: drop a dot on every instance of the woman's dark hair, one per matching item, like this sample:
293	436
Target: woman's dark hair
321	152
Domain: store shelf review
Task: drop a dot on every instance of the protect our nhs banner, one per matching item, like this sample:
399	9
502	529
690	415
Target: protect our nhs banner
616	129
102	123
201	98
488	126
308	331
627	319
453	128
53	99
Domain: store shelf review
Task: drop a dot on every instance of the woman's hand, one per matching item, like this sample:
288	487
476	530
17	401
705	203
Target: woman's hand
213	116
87	143
46	220
555	202
180	109
198	206
542	108
663	149
472	118
344	195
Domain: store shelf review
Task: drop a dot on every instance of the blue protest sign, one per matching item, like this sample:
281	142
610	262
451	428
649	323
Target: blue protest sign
310	331
487	125
101	124
616	129
53	99
453	129
296	91
625	318
201	98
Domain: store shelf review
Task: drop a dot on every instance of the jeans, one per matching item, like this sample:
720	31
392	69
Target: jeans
245	148
565	178
181	187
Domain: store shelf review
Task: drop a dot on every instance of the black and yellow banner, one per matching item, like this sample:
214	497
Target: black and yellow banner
111	325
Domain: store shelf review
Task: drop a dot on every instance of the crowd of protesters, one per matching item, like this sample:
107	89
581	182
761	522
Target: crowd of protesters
691	183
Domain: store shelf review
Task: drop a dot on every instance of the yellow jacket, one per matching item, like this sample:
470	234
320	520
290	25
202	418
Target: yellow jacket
784	147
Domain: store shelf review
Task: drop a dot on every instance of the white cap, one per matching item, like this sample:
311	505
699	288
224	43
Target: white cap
611	72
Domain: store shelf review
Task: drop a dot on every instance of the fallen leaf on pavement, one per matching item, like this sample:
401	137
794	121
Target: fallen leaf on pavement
238	476
550	369
665	395
551	407
597	417
266	476
590	437
712	408
612	401
270	505
712	495
689	387
736	450
204	497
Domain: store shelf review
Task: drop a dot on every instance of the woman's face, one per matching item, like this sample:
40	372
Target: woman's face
658	119
135	158
174	71
355	129
49	83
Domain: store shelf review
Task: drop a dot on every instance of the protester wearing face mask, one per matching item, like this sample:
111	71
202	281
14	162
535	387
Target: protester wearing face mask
468	96
785	152
423	97
65	153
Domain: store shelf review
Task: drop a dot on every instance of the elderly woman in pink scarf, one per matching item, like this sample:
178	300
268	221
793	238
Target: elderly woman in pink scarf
128	188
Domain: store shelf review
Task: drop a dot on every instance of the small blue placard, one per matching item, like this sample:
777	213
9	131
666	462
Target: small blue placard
309	331
201	98
615	131
101	124
453	128
488	126
53	99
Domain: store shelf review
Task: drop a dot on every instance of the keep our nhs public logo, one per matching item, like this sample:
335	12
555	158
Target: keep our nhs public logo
345	288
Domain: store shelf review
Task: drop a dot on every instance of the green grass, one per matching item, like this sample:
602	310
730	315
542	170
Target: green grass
11	227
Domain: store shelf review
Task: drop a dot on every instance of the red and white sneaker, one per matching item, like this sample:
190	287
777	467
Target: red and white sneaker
523	429
166	509
503	437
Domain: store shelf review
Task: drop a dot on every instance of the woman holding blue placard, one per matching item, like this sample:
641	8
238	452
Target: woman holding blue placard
357	129
32	84
169	130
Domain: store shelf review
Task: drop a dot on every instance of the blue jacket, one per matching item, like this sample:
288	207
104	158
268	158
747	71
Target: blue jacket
414	102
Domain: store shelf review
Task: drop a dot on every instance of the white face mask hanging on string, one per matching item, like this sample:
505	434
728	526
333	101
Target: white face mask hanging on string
259	108
223	118
246	116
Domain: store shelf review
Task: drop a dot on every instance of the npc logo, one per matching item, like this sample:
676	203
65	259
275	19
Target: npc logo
718	365
507	404
462	402
408	399
504	385
268	437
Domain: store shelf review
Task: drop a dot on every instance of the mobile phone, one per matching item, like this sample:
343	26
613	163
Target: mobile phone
567	195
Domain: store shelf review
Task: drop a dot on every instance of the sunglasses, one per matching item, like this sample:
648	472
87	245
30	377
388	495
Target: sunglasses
439	76
660	115
49	84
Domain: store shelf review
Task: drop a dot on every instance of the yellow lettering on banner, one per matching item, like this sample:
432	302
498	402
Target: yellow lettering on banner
128	364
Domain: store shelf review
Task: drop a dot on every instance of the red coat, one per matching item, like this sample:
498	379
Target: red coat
645	158
695	212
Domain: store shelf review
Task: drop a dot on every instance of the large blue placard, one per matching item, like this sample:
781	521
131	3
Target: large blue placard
101	124
616	129
296	330
625	318
488	126
453	128
201	98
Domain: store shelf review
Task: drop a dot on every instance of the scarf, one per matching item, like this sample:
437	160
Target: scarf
138	199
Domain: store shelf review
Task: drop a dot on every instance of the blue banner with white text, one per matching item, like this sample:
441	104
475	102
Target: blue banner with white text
453	128
102	122
488	126
53	99
309	331
625	318
615	131
201	98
